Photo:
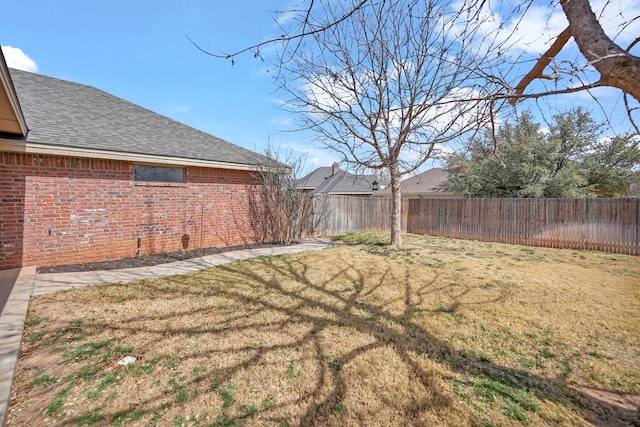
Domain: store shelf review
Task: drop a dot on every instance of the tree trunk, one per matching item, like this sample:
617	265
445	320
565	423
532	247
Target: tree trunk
617	67
396	209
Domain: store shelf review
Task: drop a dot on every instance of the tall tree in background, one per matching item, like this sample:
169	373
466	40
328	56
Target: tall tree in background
613	165
389	86
569	160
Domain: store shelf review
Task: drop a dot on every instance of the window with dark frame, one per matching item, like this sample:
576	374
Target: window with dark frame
158	174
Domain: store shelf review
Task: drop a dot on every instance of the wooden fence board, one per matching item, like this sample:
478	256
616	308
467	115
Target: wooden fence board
611	225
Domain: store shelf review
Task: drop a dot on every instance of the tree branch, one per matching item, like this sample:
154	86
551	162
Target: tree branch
256	47
629	111
617	67
536	71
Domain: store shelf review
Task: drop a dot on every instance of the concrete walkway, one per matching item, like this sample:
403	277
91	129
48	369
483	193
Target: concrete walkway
18	285
20	281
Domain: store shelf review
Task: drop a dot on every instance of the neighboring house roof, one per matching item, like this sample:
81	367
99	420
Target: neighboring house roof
73	119
345	183
314	179
427	183
332	180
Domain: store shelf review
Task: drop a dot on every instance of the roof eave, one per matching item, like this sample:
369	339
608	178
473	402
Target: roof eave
15	146
16	124
349	193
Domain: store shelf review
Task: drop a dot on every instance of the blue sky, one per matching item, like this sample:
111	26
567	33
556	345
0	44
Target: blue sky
138	50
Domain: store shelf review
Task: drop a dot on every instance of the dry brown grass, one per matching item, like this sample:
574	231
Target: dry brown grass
441	332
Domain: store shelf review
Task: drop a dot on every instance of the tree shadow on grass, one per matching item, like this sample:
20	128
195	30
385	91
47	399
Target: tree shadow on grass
290	292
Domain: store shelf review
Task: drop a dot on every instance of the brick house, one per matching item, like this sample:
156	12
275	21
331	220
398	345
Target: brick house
86	176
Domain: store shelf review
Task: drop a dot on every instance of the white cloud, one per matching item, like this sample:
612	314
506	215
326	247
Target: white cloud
537	29
534	31
16	58
278	101
531	32
282	121
447	118
599	93
619	19
286	17
179	109
313	156
329	93
318	158
462	110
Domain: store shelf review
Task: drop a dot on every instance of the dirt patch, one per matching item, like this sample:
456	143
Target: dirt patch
615	409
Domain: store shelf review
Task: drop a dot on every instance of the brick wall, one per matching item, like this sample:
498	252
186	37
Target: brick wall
60	210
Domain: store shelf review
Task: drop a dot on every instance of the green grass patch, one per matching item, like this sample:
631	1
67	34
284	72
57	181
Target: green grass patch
547	354
515	401
84	351
224	421
109	380
125	417
59	401
87	372
365	238
43	380
249	410
32	321
36	336
598	355
172	363
227	395
93	417
293	370
340	409
123	349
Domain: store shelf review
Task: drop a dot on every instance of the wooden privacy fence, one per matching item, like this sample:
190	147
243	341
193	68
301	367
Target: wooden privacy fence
611	225
334	215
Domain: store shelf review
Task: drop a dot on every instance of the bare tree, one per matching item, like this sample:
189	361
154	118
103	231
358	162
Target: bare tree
385	84
389	86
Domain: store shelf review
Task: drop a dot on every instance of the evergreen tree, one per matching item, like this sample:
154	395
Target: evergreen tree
570	160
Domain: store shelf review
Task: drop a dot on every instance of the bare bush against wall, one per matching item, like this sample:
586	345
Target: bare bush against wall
288	209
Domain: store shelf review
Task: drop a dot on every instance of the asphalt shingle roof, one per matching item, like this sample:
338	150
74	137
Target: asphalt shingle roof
345	183
315	178
326	180
69	114
424	183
